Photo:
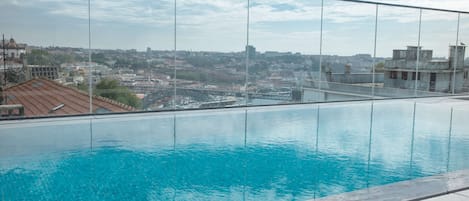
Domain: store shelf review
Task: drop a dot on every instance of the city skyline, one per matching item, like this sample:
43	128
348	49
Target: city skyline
285	26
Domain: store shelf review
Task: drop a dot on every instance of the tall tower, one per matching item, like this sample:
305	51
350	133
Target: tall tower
251	51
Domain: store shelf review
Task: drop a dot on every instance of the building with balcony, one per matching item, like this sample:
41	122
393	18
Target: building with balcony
435	75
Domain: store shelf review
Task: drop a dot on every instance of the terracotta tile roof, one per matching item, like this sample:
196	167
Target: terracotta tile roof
39	96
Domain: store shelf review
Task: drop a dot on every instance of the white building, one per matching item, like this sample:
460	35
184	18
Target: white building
12	50
433	75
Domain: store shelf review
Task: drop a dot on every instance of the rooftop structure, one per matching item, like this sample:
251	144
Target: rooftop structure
41	97
38	71
433	75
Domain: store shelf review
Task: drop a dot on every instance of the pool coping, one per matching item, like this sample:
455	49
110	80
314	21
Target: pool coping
238	107
416	189
67	118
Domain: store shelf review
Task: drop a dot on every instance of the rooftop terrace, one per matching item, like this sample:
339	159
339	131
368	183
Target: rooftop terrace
234	100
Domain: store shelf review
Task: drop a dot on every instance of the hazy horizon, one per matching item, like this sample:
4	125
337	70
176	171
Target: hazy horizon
220	25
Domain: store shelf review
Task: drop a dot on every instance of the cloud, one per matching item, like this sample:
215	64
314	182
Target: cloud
198	12
129	11
270	19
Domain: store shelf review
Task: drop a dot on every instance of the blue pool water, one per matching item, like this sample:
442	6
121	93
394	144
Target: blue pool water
273	153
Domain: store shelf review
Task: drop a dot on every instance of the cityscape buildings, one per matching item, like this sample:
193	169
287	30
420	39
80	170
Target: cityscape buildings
233	100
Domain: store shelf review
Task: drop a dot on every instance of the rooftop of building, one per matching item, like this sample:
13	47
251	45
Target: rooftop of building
41	96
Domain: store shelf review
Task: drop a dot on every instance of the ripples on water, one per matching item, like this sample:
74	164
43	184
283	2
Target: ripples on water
194	172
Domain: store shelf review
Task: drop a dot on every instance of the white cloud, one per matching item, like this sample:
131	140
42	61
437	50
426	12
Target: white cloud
270	19
198	12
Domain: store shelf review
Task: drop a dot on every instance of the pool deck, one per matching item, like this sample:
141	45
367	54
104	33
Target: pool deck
456	196
449	186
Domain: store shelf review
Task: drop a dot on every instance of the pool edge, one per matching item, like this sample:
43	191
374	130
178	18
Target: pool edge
416	189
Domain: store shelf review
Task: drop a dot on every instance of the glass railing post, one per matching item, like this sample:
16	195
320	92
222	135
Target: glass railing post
316	154
456	52
412	140
369	143
449	140
320	50
175	56
90	72
418	55
246	79
245	155
373	63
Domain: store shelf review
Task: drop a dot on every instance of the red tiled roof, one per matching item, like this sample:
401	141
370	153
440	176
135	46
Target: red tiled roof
39	96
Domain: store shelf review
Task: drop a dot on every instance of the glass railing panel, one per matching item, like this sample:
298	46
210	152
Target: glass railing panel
43	159
459	142
132	55
209	155
398	28
348	51
391	142
210	65
280	153
284	45
430	138
137	149
436	61
40	72
138	132
343	147
463	40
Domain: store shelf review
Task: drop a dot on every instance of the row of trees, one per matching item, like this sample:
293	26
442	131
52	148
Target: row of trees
43	57
111	89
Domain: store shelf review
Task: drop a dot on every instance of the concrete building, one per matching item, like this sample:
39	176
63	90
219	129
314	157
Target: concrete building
433	75
37	71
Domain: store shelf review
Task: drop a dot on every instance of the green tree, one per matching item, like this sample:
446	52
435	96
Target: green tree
379	67
83	87
39	57
99	58
111	89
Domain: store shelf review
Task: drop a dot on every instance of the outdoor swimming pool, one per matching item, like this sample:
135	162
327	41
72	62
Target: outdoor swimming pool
295	152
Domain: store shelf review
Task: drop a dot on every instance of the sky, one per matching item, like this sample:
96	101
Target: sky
221	25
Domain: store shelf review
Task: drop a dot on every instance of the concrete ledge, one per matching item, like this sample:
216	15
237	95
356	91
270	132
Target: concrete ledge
417	189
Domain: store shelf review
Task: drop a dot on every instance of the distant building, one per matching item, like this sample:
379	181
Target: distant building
42	97
433	75
13	66
12	50
251	50
353	78
37	71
